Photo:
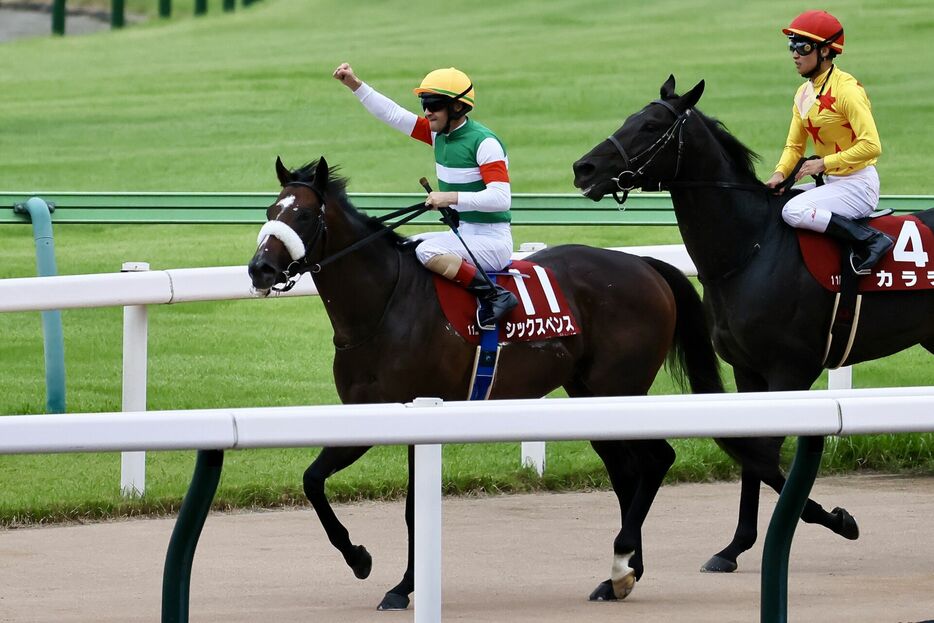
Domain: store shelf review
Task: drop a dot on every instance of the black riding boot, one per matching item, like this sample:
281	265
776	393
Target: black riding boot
869	245
495	301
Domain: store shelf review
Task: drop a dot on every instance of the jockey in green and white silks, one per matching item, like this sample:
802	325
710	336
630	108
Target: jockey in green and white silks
473	178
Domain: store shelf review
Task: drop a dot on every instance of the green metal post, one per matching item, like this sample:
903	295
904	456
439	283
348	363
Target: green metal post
117	13
176	578
774	574
58	17
165	8
201	7
53	338
230	5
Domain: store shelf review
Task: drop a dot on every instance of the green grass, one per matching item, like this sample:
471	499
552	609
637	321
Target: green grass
208	103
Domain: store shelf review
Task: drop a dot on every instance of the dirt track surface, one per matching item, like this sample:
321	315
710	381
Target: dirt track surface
524	558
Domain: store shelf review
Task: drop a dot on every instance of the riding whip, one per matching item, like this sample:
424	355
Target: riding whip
451	221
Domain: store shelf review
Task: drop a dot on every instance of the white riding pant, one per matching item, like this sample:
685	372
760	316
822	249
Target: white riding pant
852	196
491	244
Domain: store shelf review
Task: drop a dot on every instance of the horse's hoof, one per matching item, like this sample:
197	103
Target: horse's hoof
393	601
603	592
846	527
622	576
719	564
361	562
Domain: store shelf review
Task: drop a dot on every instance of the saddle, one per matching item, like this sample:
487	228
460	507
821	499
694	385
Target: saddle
906	267
543	312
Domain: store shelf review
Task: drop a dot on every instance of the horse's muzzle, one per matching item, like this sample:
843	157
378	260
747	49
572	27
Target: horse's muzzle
262	273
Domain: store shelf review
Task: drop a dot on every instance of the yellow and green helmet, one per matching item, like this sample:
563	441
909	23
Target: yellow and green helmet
449	83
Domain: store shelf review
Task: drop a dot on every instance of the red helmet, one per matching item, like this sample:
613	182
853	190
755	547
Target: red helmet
818	26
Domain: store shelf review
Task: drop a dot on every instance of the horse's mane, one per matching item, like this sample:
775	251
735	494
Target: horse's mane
735	150
337	188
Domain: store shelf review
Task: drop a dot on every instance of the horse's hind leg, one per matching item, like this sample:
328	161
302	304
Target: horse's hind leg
759	458
329	462
397	598
744	538
635	489
838	521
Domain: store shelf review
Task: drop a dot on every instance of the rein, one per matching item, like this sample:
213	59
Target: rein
631	177
413	211
677	128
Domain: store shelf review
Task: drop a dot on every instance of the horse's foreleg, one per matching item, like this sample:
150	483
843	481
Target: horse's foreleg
397	598
329	462
636	492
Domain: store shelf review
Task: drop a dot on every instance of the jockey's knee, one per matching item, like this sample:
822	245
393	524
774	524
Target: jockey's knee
445	264
430	248
805	215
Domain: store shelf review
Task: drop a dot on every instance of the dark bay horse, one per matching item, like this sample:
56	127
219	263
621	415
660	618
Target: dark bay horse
770	317
393	344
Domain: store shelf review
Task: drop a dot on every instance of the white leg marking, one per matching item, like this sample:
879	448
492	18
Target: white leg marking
623	576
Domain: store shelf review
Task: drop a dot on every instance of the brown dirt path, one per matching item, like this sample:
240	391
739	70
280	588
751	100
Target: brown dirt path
523	558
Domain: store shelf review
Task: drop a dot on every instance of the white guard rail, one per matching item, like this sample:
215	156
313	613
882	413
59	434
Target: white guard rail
139	287
429	422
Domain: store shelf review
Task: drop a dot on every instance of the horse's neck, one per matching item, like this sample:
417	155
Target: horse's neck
357	289
721	227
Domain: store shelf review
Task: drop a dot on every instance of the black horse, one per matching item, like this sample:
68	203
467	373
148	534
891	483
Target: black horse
393	344
770	317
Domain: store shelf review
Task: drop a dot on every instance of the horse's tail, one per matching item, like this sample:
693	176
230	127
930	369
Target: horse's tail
693	352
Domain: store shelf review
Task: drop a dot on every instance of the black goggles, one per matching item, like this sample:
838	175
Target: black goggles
802	46
435	103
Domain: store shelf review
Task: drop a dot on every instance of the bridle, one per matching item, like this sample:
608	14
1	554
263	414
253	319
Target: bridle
628	178
300	265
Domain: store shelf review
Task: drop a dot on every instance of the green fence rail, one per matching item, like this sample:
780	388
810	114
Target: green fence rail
250	208
118	12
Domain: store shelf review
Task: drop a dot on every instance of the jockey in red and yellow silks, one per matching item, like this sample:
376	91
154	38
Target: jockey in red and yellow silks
831	111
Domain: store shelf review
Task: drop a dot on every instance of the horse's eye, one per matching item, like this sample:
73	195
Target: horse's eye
304	216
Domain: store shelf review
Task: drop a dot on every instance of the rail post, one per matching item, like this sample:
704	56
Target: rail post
176	578
58	17
39	212
117	13
135	371
775	553
427	526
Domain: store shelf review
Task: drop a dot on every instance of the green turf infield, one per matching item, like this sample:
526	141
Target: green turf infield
208	103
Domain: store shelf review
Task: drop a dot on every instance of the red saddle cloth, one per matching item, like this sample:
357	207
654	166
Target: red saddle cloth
905	267
542	313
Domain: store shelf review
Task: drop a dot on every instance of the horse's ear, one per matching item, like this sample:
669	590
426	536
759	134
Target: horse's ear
690	99
282	173
322	173
668	89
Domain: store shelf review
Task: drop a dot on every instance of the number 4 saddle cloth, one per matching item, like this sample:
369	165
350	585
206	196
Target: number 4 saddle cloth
542	313
907	266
